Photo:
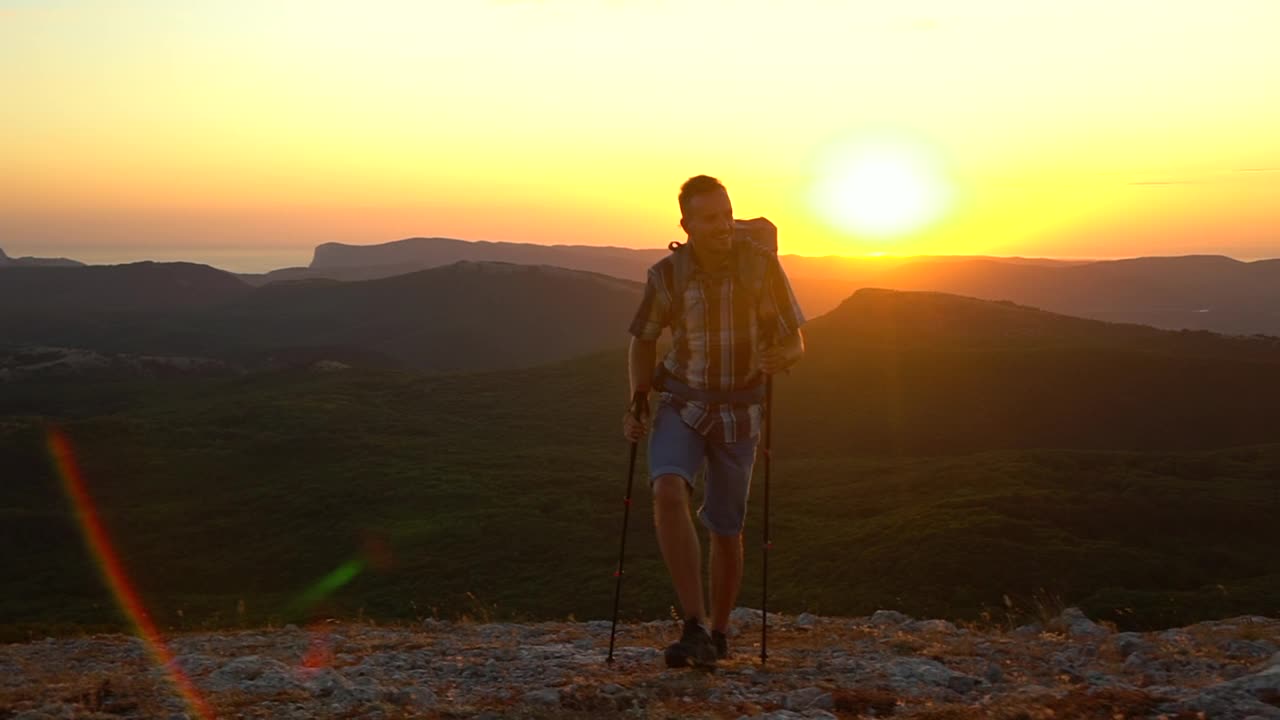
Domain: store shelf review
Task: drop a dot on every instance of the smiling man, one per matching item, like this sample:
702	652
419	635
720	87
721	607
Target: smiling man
733	319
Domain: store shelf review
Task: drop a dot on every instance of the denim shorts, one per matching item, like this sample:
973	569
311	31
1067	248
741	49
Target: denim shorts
677	449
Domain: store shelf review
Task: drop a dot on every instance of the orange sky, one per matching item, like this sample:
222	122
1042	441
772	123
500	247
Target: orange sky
244	135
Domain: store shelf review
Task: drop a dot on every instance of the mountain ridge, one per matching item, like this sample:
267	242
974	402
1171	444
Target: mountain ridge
467	315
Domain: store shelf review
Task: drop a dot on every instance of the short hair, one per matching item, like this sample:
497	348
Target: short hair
698	185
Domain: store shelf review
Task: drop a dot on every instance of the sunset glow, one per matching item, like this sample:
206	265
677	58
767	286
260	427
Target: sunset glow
881	188
244	134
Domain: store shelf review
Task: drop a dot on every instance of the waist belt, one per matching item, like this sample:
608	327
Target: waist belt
664	381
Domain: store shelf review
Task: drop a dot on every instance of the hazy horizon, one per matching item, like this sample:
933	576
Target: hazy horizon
251	261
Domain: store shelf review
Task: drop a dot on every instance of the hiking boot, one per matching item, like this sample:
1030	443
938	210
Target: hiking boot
722	644
695	648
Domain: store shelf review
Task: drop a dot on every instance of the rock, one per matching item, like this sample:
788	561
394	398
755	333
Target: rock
806	620
994	674
910	673
254	675
1127	643
545	696
810	697
413	697
776	715
933	626
1080	627
323	682
1247	649
1239	698
962	684
1223	706
1027	632
750	616
42	714
1263	684
889	618
193	665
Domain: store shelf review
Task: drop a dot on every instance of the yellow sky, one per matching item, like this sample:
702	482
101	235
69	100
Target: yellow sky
257	129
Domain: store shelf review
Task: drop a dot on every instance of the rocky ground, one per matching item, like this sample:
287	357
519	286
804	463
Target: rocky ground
885	665
43	363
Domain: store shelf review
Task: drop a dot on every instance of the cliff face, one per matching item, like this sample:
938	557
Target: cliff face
878	666
6	261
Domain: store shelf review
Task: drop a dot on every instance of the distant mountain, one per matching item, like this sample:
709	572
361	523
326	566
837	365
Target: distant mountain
468	315
353	274
8	262
465	316
1197	292
909	373
144	286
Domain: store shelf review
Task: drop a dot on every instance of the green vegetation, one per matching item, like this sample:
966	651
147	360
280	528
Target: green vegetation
499	496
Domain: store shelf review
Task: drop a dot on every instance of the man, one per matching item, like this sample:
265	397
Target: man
733	318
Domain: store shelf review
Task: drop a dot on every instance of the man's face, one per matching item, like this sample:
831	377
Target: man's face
708	218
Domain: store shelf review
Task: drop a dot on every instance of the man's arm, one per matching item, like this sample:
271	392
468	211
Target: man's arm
641	358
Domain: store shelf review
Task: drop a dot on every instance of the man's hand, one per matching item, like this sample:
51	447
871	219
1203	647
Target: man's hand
636	422
777	358
632	428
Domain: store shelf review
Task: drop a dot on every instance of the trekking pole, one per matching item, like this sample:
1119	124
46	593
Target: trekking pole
639	409
768	543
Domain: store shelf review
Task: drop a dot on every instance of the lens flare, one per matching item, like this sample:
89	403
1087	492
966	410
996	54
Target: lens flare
113	573
328	584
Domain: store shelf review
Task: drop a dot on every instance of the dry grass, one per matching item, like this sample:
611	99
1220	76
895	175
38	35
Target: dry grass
100	693
863	701
1112	704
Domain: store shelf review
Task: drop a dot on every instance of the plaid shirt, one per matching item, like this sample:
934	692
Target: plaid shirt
717	326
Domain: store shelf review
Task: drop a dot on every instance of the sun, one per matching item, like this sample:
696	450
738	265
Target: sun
882	186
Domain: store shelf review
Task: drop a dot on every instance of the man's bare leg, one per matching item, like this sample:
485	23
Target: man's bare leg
678	541
726	577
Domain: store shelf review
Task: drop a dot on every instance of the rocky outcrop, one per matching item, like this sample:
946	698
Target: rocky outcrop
818	667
